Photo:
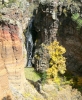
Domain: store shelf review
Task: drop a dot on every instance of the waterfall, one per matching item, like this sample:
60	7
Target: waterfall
29	44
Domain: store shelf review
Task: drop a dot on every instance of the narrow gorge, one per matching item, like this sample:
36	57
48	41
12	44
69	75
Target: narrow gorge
23	37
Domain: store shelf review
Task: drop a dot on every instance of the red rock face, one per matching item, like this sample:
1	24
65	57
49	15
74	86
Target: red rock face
11	60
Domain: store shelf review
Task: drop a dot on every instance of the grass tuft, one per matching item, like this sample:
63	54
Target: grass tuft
31	74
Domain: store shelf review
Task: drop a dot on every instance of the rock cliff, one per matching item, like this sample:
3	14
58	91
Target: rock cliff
12	51
50	23
46	26
53	21
13	55
70	38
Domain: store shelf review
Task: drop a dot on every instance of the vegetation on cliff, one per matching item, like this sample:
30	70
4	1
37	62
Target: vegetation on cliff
78	19
57	61
49	57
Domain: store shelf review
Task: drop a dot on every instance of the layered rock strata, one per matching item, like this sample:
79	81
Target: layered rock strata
11	55
12	51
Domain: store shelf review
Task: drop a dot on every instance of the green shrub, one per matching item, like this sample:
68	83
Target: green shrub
76	18
44	77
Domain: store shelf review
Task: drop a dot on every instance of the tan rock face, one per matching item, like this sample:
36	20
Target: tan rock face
11	60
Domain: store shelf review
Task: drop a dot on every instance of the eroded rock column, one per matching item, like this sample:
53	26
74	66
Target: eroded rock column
11	59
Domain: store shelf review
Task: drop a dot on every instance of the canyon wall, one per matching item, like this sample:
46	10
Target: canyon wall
11	57
12	51
53	22
49	24
70	38
46	26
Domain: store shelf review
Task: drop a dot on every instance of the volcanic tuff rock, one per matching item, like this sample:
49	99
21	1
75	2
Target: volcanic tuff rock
11	56
12	51
13	85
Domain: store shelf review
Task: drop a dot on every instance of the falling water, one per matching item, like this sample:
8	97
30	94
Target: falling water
29	44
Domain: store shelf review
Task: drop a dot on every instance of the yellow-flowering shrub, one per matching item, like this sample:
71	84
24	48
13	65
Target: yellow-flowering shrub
57	61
